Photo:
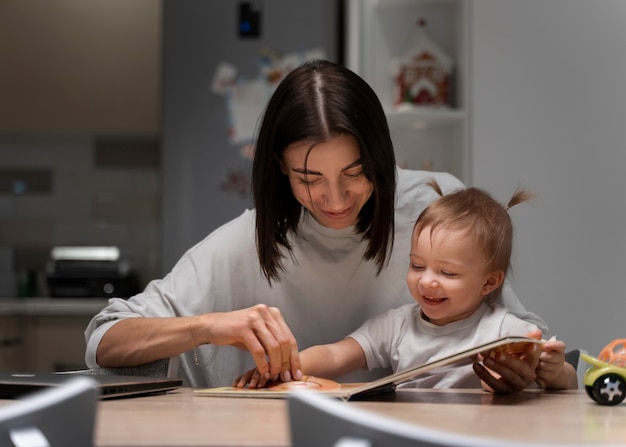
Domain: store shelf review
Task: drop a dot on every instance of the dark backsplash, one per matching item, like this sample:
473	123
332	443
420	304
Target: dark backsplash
77	190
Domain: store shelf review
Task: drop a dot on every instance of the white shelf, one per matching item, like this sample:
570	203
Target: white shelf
420	118
400	3
377	31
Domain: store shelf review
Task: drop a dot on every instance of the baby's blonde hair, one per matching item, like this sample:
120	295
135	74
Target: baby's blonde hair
486	220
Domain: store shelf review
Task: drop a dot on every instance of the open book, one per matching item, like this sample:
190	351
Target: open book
352	391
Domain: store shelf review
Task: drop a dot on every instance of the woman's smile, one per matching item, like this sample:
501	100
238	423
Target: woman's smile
337	215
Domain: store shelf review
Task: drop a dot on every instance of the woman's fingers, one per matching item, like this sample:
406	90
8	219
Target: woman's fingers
290	359
262	331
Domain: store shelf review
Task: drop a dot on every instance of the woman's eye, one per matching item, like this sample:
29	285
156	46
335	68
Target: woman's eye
354	175
307	181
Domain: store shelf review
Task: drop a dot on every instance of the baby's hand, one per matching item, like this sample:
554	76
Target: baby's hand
551	362
251	378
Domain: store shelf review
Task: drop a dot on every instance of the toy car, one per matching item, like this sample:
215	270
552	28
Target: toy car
605	380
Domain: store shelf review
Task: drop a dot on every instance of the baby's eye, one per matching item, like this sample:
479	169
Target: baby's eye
417	267
449	274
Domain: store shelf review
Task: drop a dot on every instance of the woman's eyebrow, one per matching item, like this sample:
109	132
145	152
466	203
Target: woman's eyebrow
355	163
305	171
309	172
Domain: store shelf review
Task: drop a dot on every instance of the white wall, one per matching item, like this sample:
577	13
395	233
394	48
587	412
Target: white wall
549	112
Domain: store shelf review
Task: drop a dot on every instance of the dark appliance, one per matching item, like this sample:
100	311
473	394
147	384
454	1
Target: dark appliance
85	272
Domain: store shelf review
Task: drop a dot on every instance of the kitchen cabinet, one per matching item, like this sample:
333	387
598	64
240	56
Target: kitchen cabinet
43	334
55	342
11	343
377	31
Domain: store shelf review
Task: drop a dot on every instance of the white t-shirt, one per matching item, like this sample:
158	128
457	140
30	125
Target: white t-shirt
326	291
402	339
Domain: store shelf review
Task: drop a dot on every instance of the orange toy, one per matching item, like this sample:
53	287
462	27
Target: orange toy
614	353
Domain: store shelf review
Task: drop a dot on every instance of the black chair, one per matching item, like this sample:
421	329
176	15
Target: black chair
158	368
573	358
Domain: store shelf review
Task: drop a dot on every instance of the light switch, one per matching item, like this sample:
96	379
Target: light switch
250	19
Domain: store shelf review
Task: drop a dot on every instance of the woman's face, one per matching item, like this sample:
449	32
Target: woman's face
332	186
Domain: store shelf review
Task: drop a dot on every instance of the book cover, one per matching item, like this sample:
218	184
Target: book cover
355	391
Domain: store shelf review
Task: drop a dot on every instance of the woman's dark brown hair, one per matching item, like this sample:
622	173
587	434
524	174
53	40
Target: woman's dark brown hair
314	103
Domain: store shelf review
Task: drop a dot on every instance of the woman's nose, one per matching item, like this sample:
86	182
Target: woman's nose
335	196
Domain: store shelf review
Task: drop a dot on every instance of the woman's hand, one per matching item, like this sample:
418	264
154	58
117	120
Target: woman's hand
252	378
505	373
263	332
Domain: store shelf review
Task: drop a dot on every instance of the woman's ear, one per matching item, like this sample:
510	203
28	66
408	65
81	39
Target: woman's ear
492	282
281	163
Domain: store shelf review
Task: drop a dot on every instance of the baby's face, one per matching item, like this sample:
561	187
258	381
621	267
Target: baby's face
448	274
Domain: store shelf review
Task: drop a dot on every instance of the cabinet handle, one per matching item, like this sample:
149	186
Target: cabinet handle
9	342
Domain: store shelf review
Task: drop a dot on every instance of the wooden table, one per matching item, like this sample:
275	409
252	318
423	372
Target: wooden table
182	419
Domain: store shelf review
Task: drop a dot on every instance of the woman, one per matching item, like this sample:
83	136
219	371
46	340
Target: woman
326	247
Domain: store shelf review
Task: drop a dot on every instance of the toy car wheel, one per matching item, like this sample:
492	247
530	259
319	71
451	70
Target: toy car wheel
609	389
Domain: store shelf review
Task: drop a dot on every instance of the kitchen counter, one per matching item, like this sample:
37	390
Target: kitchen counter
52	306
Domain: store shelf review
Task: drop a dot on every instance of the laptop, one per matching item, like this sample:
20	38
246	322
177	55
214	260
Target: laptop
16	384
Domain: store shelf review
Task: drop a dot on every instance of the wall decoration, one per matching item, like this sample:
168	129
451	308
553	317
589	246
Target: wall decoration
246	98
237	182
245	101
422	73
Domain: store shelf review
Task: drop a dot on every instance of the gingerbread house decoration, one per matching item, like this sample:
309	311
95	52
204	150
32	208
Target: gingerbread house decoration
422	73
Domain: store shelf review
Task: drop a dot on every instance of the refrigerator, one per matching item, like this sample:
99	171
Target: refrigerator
213	50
